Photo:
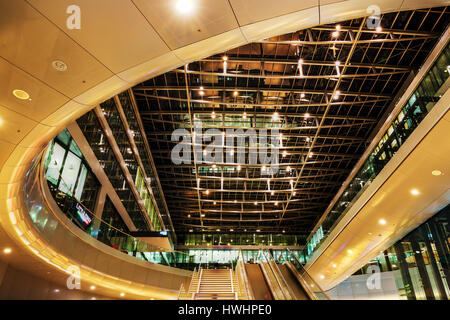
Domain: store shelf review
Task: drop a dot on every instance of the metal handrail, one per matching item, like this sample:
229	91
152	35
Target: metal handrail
276	274
71	196
309	276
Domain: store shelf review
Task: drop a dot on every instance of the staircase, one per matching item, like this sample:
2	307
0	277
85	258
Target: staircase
216	284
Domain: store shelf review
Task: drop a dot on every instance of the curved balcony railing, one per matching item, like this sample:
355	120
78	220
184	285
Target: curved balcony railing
420	103
44	220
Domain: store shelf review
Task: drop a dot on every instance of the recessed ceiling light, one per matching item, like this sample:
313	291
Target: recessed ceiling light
382	221
434	172
92	287
20	94
307	115
59	65
322	276
185	6
7	250
415	192
275	116
350	251
122	294
334	265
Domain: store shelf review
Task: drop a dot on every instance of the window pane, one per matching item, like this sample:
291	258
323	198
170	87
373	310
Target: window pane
54	166
70	173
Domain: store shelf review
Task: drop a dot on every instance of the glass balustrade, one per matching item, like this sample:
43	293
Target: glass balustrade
425	96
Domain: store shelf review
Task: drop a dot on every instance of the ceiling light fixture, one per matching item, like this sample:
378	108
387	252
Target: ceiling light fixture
59	65
415	192
92	288
184	6
7	250
382	221
300	67
378	29
244	116
275	116
307	115
336	95
213	115
338	71
21	94
436	172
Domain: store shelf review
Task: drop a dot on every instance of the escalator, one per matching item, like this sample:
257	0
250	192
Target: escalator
297	290
257	281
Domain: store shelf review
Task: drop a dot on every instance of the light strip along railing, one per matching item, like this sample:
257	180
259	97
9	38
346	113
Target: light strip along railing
97	228
309	284
421	101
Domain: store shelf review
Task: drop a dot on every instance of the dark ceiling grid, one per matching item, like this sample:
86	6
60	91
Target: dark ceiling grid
262	73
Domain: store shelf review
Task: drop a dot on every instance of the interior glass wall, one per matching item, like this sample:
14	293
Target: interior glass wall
420	261
99	144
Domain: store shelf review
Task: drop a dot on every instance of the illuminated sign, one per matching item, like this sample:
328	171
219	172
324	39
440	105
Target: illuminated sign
82	215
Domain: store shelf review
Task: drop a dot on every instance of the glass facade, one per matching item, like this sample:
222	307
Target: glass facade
68	174
418	106
420	261
215	258
99	144
130	115
242	239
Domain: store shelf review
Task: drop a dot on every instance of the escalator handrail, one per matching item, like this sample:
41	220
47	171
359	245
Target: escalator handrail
288	288
249	292
276	273
309	276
